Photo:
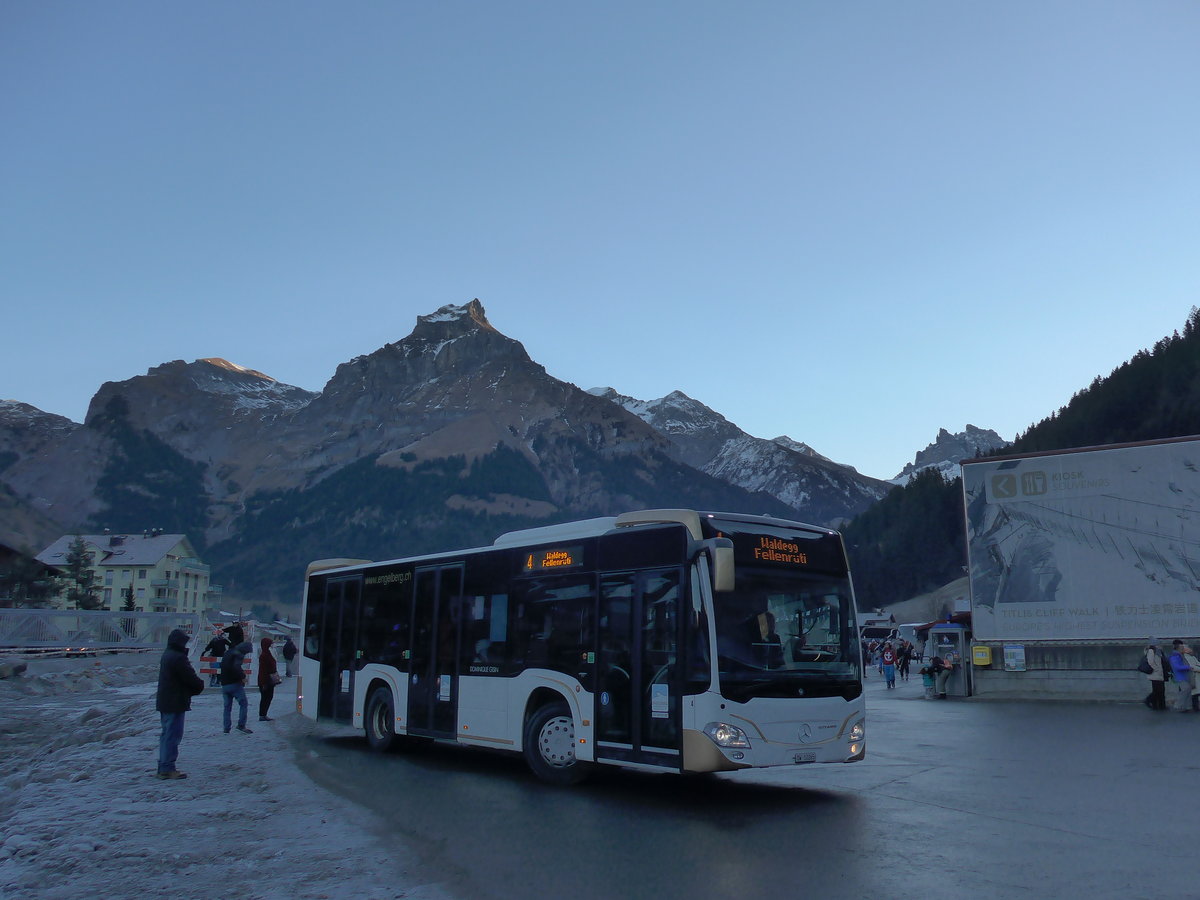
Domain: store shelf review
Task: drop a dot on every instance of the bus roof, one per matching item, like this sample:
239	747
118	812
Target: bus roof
582	528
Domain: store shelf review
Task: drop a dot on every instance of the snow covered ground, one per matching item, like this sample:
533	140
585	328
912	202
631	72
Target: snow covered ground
82	815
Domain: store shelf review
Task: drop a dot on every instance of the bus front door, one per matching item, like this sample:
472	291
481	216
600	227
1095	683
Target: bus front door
433	671
637	679
339	653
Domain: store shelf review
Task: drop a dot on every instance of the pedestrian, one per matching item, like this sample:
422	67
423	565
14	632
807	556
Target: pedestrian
1182	676
233	684
268	677
928	681
887	659
178	683
216	649
903	658
942	670
1157	698
289	657
1190	658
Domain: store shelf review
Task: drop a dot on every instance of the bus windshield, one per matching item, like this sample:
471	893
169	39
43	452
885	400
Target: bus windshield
783	634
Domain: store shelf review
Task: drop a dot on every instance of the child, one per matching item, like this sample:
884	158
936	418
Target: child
927	679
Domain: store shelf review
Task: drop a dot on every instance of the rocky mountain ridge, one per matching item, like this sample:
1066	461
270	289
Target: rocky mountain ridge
444	438
948	450
782	467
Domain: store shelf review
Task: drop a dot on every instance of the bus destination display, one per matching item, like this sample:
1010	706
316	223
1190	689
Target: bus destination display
785	548
554	558
770	549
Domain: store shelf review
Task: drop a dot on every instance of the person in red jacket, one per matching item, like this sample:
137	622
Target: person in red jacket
268	677
888	660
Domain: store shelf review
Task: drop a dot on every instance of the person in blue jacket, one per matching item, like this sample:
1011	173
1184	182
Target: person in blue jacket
1183	676
178	683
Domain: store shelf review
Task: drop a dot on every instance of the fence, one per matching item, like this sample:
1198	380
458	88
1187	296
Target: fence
92	629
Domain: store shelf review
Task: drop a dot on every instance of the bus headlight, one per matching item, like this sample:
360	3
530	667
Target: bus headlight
858	732
725	735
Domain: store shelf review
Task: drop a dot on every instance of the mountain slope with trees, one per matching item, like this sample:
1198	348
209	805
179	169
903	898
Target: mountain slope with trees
913	540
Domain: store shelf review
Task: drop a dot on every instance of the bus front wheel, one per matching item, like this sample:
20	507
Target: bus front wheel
380	720
550	745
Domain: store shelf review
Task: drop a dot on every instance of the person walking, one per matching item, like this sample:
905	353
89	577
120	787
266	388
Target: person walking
887	659
178	683
268	677
1182	676
903	658
233	684
215	648
1157	698
289	657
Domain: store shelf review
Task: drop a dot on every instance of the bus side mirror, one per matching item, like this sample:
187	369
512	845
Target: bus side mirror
722	563
720	554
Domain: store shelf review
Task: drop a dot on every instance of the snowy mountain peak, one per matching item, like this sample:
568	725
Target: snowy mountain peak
800	447
234	367
467	317
819	489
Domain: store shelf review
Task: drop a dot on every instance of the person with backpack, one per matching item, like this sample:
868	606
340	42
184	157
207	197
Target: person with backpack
233	685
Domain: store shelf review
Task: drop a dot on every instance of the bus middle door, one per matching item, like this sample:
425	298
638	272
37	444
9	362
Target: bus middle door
433	670
638	692
339	636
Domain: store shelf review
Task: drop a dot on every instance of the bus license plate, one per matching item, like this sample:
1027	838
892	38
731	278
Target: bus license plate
804	758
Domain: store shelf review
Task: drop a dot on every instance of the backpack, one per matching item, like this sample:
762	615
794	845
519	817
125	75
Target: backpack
231	667
1144	666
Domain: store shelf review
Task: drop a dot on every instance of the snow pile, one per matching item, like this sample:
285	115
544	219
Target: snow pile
82	813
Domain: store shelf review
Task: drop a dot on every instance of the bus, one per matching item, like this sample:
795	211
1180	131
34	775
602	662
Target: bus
665	640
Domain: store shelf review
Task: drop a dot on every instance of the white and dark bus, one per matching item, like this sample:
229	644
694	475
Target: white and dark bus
665	640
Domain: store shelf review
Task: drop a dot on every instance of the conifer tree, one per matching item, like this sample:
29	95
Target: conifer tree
84	590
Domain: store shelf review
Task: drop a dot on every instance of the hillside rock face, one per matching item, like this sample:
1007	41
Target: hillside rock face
948	450
818	490
443	439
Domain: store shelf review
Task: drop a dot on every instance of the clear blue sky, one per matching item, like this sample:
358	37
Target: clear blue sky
852	223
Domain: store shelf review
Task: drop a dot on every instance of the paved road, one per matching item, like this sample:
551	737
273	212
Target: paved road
957	799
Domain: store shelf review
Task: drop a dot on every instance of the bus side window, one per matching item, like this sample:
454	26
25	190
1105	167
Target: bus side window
554	629
485	633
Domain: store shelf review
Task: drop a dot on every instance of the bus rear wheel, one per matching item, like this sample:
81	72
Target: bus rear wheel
380	720
550	745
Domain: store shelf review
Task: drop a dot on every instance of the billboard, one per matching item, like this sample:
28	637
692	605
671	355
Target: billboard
1093	544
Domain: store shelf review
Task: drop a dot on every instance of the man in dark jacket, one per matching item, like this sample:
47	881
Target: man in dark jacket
177	684
233	685
289	656
216	648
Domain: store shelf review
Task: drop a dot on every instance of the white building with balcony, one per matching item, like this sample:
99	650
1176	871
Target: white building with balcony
161	571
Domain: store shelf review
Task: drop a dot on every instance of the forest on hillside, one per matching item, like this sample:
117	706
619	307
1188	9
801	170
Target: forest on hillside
913	540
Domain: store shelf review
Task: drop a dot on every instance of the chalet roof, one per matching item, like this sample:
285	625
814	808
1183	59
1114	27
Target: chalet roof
147	549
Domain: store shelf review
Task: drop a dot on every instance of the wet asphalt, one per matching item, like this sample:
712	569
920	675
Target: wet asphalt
957	798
